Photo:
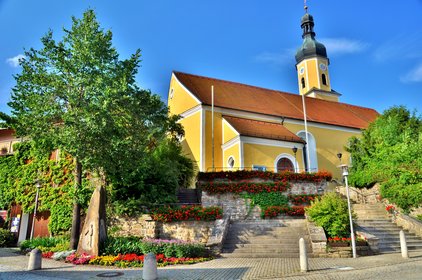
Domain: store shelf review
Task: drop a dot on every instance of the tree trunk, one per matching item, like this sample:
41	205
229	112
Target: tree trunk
76	218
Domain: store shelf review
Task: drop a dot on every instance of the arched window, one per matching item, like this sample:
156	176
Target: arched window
230	162
324	79
303	82
285	164
313	165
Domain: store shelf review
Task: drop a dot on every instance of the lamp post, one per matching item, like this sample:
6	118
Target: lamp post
294	149
339	155
345	170
37	185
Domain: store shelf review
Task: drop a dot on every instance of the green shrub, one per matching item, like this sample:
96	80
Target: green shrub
136	245
46	244
330	212
266	199
6	238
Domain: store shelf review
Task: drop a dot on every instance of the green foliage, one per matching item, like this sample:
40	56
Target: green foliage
330	212
76	94
389	153
6	238
135	245
18	174
155	180
46	244
265	199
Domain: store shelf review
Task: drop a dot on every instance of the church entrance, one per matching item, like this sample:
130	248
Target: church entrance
285	164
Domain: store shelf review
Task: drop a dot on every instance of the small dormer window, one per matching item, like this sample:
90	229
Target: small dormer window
171	93
303	82
324	79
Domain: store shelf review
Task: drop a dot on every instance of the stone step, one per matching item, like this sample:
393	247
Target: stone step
263	239
262	255
263	247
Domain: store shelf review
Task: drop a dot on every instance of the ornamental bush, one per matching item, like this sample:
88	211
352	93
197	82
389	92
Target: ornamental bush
266	175
330	212
46	244
219	188
6	238
138	246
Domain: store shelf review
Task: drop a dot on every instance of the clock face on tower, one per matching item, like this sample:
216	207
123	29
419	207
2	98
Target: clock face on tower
301	70
322	66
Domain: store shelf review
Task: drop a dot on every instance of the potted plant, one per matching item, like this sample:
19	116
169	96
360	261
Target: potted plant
3	150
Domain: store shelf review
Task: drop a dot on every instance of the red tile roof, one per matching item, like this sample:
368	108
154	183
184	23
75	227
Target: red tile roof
262	129
276	103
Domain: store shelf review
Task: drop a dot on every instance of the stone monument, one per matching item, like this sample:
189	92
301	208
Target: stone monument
94	231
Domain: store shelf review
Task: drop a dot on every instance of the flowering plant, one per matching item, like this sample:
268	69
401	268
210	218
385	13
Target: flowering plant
248	174
185	213
274	211
390	209
298	199
79	259
219	188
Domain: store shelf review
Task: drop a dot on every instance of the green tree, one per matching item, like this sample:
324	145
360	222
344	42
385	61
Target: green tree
389	153
77	95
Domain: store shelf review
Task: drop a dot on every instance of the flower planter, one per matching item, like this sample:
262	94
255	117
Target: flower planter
338	244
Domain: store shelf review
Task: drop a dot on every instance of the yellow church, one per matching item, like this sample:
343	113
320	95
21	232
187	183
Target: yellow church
232	126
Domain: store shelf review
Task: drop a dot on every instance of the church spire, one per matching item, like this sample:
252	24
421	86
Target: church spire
312	63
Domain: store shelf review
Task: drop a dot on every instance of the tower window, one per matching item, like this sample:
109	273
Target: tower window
303	82
324	80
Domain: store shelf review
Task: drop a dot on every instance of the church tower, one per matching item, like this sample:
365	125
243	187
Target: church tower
312	64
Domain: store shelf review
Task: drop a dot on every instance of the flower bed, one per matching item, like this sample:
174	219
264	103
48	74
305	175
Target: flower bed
129	260
299	199
169	248
220	188
274	211
186	213
345	241
246	174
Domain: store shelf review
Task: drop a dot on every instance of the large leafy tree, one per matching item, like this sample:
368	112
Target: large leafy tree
76	94
389	153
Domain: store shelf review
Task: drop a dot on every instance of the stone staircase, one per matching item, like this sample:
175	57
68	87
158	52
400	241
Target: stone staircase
374	219
275	238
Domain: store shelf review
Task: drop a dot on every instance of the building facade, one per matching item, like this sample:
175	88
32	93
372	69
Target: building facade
230	126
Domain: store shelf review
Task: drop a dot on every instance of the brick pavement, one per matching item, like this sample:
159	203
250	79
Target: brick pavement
392	266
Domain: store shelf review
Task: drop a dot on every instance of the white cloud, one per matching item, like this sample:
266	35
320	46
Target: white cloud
413	76
400	46
286	56
14	61
337	46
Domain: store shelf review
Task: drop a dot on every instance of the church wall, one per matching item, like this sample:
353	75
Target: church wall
329	143
217	139
312	73
182	100
264	155
228	132
231	151
191	142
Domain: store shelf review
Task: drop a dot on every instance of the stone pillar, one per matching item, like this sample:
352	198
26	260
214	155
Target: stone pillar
35	259
303	256
403	245
149	272
94	231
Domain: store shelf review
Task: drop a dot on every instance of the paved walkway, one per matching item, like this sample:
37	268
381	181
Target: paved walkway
391	266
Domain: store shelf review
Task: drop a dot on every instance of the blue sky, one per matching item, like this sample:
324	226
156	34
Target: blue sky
375	47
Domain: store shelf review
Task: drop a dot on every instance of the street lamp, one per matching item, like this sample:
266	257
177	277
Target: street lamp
37	185
339	155
294	149
345	171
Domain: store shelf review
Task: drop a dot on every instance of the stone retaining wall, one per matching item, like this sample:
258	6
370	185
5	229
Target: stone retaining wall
363	195
409	223
237	208
212	234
